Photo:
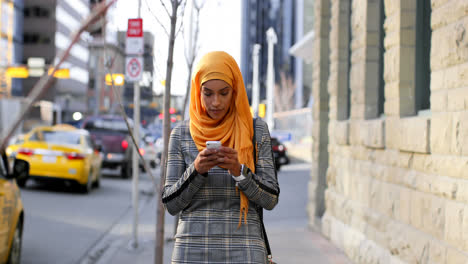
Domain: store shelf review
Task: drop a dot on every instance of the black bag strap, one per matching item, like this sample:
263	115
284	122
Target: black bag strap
258	208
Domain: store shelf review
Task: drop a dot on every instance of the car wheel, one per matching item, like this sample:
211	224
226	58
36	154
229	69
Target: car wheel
21	182
15	250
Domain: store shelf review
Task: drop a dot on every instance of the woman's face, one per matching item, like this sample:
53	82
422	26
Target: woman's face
216	97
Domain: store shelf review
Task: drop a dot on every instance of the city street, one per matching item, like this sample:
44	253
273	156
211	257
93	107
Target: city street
61	225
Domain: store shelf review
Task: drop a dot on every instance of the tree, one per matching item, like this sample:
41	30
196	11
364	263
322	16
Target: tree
173	15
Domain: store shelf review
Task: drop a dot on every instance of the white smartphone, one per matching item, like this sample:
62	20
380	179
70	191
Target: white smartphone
213	144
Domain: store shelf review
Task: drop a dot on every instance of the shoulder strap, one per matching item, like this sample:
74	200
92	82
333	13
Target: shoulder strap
258	208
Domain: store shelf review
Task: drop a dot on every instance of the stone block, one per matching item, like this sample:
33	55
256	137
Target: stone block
391	7
437	80
392	69
441	133
405	205
434	216
417	208
448	13
464	229
392	130
374	133
456	256
414	134
341	132
438	252
452	42
439	102
460	134
458	99
454	213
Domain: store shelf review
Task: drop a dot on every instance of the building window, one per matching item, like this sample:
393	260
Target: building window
36	11
35	38
422	61
348	82
381	85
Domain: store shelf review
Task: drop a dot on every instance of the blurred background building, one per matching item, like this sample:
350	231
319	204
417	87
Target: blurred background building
289	22
11	45
106	55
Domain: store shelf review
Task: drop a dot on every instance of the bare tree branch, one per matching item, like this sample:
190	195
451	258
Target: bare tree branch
165	8
182	8
156	17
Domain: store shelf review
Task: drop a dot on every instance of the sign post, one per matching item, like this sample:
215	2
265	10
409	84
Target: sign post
133	71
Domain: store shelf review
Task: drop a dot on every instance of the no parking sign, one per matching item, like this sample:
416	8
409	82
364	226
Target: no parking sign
133	68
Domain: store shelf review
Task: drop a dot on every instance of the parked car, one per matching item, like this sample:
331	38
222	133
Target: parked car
11	206
279	153
60	152
111	133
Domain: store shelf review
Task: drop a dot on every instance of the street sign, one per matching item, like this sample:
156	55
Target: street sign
133	68
134	41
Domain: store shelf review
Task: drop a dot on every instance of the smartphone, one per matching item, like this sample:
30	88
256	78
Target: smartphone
213	144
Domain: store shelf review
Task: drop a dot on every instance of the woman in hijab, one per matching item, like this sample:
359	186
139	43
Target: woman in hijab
217	191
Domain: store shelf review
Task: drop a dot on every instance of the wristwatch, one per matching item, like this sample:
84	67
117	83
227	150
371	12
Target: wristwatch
243	171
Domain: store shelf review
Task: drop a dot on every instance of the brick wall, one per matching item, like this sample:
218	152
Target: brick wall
397	183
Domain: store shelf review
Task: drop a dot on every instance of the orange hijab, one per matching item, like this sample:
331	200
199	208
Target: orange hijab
235	130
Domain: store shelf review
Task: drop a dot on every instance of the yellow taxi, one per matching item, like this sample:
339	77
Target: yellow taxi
60	152
11	208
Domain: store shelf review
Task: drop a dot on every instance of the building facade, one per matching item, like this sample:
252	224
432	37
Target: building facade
106	55
257	17
390	137
48	25
11	45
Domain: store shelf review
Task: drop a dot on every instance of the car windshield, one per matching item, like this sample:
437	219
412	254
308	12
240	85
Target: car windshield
106	125
61	137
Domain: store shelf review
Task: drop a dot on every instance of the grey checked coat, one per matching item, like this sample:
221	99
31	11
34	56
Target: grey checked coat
209	206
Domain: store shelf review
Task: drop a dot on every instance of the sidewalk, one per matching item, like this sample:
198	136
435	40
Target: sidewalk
290	239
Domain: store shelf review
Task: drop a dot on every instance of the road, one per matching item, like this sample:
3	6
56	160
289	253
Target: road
62	225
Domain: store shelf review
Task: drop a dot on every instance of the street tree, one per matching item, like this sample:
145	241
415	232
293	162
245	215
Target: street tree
177	8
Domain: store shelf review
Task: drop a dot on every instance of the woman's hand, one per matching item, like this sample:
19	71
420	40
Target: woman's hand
228	159
206	159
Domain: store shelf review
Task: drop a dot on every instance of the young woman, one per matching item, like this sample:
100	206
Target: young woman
217	191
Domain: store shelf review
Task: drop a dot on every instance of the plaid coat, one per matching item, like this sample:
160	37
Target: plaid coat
209	206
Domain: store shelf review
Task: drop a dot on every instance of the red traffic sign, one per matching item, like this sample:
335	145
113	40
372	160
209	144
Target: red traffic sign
135	28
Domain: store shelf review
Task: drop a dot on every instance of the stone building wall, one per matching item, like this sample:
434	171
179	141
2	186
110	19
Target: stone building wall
397	181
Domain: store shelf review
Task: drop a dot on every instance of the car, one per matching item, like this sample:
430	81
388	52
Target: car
11	206
60	152
279	153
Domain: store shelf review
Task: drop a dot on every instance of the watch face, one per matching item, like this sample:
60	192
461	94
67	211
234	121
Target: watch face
244	169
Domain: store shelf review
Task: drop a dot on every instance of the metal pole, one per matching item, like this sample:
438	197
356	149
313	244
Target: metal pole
97	86
271	39
135	166
298	62
255	79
